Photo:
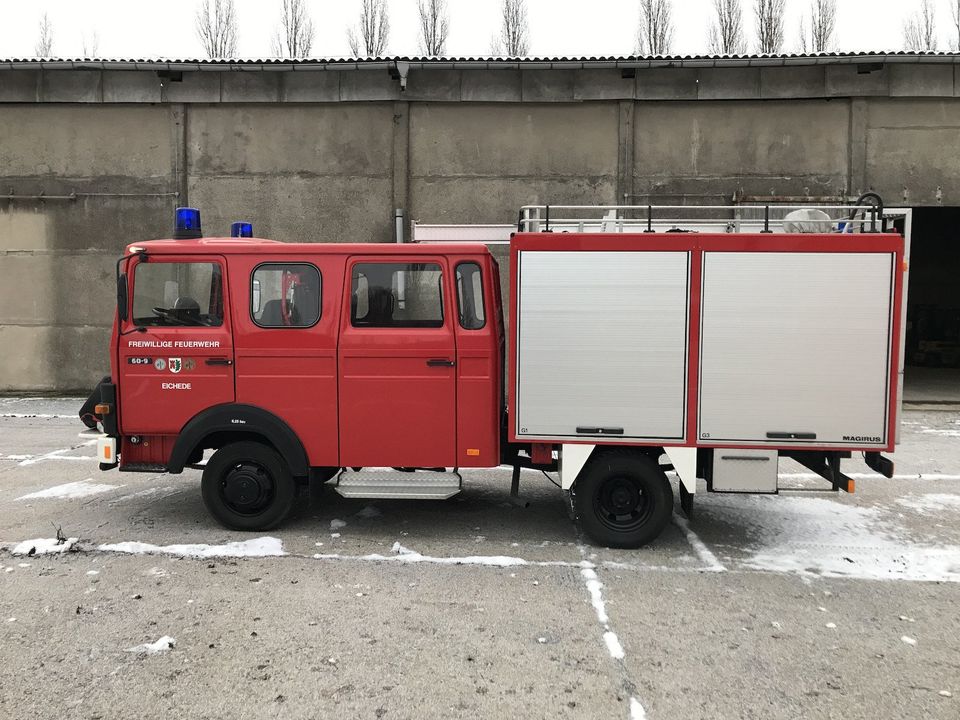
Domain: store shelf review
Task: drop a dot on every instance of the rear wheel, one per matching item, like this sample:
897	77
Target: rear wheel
247	486
623	499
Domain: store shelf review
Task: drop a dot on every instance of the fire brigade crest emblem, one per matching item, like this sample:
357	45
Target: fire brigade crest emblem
175	365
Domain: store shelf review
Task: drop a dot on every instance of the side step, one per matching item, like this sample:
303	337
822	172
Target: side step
417	485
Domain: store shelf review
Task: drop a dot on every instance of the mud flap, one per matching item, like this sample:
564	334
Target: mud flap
684	461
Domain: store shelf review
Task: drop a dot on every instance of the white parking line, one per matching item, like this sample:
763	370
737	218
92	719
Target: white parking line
595	588
41	416
39	458
406	556
875	476
702	551
56	454
70	491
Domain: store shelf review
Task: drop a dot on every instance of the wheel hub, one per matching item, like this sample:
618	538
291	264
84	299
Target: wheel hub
623	499
621	504
247	487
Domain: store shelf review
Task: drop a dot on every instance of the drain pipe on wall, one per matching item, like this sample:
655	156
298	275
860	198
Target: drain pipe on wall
398	220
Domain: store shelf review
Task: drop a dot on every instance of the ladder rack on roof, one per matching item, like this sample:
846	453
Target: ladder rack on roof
740	218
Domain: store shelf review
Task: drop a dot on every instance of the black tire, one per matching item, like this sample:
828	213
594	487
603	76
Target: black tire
622	498
248	486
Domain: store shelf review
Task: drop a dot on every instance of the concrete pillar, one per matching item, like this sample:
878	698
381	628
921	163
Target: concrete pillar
857	175
178	116
401	158
625	142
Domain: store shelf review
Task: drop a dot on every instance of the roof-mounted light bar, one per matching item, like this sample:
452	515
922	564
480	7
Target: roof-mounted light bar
186	225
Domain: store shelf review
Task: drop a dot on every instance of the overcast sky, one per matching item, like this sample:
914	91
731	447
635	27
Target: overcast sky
149	28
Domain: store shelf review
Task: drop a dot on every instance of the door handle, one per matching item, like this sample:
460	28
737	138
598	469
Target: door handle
440	362
219	361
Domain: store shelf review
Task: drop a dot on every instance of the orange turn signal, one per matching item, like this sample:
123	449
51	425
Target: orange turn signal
473	451
102	409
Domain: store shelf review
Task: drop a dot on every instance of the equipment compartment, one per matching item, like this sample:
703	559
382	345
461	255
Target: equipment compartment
795	348
750	471
602	344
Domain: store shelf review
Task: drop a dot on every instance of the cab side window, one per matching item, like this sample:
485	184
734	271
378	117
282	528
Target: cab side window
174	294
397	295
285	295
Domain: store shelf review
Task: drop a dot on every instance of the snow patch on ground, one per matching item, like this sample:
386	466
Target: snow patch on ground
826	537
370	511
932	502
70	491
336	524
162	645
44	546
258	547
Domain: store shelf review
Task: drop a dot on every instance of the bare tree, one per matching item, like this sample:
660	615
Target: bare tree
955	9
655	27
294	37
726	31
770	32
434	26
369	39
817	36
217	28
920	32
44	46
513	40
91	44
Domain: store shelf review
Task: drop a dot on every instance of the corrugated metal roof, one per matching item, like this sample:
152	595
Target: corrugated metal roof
478	62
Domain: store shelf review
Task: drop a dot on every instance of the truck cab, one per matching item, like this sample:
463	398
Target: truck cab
293	361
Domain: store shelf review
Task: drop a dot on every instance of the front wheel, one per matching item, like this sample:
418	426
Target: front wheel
623	499
247	486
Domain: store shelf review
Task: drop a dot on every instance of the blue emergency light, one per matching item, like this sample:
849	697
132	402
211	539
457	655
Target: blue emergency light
241	230
186	224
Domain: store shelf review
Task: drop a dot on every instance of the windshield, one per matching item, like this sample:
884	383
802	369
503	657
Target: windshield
171	294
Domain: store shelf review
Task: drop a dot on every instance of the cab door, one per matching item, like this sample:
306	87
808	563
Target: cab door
175	351
397	363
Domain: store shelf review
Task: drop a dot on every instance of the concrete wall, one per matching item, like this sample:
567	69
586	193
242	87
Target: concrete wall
327	156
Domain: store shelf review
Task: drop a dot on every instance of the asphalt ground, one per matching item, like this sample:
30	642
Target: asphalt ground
807	604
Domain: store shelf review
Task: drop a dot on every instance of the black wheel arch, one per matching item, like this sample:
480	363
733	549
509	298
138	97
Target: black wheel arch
230	422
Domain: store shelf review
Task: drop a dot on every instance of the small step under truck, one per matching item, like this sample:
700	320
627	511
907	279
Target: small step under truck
636	348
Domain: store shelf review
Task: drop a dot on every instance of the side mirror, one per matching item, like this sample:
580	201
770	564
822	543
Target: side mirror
122	297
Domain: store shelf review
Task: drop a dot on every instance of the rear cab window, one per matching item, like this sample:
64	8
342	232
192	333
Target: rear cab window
396	295
178	294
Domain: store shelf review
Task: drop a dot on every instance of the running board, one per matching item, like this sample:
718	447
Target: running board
395	484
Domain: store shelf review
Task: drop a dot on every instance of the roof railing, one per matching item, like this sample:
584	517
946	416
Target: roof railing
751	215
738	218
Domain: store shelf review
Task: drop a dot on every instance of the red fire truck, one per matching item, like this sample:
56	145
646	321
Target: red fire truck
386	368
